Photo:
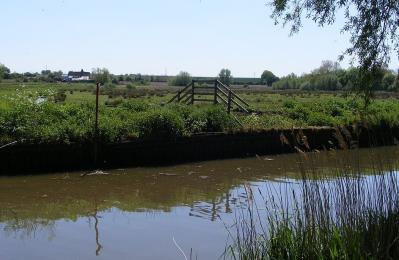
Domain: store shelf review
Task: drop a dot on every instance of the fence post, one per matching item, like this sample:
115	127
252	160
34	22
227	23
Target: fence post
192	93
215	98
96	127
229	102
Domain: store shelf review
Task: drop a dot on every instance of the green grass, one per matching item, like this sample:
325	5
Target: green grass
19	116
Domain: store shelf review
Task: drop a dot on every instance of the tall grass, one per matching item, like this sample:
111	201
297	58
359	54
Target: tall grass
351	216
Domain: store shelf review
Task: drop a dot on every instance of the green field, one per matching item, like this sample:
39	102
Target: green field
142	112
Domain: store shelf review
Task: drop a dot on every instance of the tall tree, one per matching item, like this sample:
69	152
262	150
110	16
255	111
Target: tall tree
372	25
268	78
4	71
182	79
101	76
225	76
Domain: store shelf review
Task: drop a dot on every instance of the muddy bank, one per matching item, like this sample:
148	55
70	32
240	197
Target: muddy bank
25	159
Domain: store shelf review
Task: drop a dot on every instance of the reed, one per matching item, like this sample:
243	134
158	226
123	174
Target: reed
348	216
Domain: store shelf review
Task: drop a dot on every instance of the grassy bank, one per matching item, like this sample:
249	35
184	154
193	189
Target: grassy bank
349	217
67	113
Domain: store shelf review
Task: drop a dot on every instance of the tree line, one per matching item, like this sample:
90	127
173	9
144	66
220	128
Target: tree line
331	77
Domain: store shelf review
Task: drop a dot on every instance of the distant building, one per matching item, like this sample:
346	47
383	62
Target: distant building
78	76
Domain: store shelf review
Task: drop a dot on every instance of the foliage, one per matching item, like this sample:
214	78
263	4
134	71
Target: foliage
330	77
4	71
130	86
101	76
350	216
225	76
182	79
160	124
268	78
372	25
35	114
208	119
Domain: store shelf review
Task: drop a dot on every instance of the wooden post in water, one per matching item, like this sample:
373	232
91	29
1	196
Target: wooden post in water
96	127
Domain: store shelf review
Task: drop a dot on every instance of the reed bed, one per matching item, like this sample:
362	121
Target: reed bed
349	214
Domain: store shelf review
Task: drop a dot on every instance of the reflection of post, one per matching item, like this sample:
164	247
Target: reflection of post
214	213
99	246
227	205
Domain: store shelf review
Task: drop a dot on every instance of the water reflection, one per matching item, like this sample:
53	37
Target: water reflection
123	214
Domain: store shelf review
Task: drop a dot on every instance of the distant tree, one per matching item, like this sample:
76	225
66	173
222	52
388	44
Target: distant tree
268	78
4	72
56	75
225	76
372	26
182	79
396	83
101	76
115	80
128	78
327	66
288	82
46	72
28	75
388	81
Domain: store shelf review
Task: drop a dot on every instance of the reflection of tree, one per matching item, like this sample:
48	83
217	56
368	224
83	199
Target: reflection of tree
27	228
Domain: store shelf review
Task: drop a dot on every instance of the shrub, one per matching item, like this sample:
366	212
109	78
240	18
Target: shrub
130	86
217	119
114	102
60	96
160	124
135	106
182	79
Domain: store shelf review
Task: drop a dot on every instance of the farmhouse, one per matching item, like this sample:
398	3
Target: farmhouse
80	75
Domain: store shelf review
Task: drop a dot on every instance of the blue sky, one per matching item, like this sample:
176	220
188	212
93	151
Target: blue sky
161	36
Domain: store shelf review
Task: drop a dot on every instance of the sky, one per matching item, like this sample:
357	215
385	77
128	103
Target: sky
162	37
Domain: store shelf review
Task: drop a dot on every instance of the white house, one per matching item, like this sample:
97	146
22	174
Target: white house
78	76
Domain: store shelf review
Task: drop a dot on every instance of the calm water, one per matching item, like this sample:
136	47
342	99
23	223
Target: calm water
147	213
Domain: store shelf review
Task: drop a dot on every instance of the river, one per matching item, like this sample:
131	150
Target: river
150	213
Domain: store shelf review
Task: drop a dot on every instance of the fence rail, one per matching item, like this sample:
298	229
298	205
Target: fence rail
222	94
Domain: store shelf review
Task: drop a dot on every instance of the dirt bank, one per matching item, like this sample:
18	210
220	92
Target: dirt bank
39	158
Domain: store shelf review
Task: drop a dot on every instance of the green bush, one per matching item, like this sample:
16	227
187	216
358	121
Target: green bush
217	119
130	86
135	106
160	124
182	79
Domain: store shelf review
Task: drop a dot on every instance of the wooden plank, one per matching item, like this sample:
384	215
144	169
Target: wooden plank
229	103
204	93
239	98
224	101
204	88
234	94
192	93
180	92
215	92
224	93
203	100
187	99
240	106
185	95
